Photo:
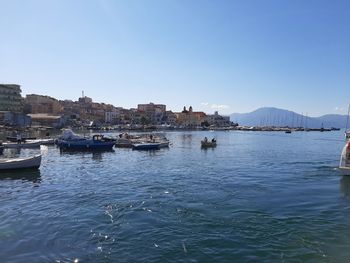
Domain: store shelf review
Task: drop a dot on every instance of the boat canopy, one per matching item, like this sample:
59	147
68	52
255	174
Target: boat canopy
68	134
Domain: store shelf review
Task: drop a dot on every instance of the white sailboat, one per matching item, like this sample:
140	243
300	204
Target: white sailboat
344	165
347	132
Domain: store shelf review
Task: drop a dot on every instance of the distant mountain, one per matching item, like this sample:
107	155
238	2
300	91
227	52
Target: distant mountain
269	116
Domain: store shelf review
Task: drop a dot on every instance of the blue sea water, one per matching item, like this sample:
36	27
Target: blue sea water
256	197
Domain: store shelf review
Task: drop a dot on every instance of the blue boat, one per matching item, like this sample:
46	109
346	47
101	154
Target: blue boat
97	143
146	146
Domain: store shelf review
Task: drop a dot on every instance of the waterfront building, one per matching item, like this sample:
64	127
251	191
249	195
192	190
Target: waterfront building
116	116
10	98
218	120
170	118
42	104
47	120
153	113
190	118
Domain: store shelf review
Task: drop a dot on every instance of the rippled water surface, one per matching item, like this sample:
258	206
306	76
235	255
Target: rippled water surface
257	197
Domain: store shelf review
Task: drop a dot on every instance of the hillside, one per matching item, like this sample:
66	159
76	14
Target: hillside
269	116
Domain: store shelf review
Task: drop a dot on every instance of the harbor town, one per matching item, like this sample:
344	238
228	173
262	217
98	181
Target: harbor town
28	123
174	131
40	112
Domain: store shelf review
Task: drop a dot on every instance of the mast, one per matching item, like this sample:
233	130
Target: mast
347	119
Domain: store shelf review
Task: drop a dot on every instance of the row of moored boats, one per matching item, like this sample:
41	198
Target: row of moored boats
71	141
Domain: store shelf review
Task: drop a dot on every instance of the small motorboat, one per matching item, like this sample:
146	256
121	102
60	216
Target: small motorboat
146	146
20	163
163	144
42	141
123	143
344	165
23	145
23	139
208	144
71	141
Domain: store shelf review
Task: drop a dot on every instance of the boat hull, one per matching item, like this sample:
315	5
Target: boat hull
23	139
42	141
208	144
123	143
86	145
146	146
20	163
21	145
345	170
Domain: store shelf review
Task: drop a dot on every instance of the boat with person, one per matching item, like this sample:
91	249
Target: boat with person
32	162
72	141
125	140
344	165
208	144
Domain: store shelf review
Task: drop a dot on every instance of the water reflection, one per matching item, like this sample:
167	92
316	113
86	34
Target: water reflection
96	155
25	175
345	185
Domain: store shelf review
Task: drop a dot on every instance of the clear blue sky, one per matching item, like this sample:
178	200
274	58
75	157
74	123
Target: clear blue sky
232	55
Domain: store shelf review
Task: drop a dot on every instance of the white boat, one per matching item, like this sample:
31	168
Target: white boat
16	145
347	135
163	144
42	141
20	163
347	132
344	165
123	143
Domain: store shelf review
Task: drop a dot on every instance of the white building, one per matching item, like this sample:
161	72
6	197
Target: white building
218	120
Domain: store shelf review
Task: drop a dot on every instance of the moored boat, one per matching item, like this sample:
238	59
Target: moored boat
15	139
163	144
16	145
146	146
71	141
96	143
20	163
208	144
42	141
123	143
344	165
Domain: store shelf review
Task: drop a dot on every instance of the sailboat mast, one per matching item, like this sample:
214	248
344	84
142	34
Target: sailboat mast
347	119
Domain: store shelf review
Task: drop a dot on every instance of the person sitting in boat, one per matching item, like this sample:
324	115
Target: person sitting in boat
213	140
205	139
